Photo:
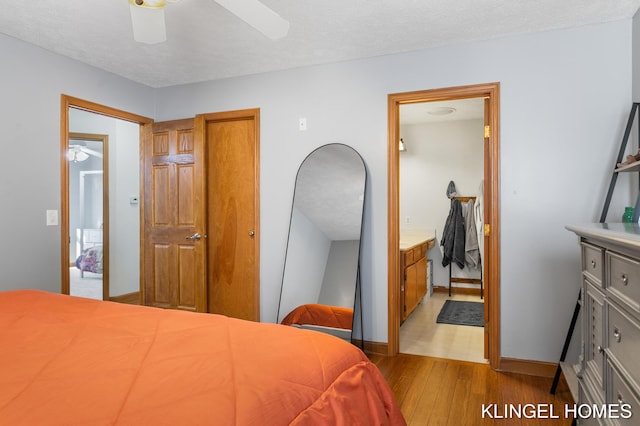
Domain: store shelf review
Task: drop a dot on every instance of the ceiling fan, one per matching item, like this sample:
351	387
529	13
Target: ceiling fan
147	18
78	151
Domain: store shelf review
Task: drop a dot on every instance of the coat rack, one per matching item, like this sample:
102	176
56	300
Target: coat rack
453	279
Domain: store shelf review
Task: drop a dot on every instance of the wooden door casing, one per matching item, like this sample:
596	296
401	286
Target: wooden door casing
174	209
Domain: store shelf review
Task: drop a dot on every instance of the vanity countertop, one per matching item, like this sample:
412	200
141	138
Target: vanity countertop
412	238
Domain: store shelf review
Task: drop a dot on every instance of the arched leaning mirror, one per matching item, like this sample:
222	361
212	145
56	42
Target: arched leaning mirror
321	272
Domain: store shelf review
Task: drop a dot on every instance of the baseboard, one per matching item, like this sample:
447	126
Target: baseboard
129	298
507	365
528	367
375	348
458	290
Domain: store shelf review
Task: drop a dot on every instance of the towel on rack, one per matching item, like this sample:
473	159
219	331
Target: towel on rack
478	209
453	236
471	248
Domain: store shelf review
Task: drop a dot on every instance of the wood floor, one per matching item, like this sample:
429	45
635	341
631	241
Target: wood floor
437	391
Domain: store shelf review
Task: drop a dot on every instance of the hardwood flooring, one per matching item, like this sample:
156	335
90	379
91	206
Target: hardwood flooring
437	391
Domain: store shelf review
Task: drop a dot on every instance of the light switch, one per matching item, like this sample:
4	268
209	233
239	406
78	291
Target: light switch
52	217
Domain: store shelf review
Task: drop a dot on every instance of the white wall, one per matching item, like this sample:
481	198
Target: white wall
340	274
436	154
31	83
564	97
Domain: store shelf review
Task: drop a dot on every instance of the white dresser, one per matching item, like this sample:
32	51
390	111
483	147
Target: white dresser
610	357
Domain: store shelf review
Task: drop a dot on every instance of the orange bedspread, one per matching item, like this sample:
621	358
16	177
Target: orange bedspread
74	361
328	316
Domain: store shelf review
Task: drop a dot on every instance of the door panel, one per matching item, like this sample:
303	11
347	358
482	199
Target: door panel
232	218
174	264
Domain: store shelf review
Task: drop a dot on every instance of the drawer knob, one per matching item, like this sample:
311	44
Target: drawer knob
593	263
617	335
625	279
600	349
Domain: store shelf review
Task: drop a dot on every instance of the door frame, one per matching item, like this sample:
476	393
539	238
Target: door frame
491	92
67	102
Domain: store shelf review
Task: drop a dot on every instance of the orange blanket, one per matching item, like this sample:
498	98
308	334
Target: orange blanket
328	316
73	361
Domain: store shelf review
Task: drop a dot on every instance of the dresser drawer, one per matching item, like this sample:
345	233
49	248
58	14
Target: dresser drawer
623	279
423	251
621	394
623	340
408	257
593	262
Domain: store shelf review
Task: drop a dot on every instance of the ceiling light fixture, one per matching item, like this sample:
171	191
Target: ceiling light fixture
441	111
77	155
147	17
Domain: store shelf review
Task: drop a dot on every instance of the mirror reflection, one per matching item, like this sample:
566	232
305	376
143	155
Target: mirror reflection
86	215
107	216
321	265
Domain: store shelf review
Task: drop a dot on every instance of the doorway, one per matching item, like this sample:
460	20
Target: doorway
443	146
112	227
88	215
490	93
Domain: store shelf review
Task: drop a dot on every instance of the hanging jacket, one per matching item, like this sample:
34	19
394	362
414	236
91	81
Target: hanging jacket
453	236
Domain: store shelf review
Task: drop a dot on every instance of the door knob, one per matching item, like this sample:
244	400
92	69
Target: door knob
194	237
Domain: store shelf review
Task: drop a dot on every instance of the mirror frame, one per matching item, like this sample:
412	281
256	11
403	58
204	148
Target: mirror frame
357	299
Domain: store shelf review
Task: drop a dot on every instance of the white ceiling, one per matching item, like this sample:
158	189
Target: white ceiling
206	42
429	112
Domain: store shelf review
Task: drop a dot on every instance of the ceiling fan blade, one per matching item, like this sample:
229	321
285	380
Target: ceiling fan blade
148	23
91	152
259	16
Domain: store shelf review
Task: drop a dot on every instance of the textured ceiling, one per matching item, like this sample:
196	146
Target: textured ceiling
206	42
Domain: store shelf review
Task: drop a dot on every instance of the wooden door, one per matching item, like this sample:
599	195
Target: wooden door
173	246
232	147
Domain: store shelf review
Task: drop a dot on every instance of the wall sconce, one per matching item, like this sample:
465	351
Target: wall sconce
402	147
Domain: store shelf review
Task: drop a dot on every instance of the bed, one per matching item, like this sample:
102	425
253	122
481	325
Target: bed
68	360
89	245
90	260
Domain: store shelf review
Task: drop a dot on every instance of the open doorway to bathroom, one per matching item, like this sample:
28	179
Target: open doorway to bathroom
442	163
417	203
